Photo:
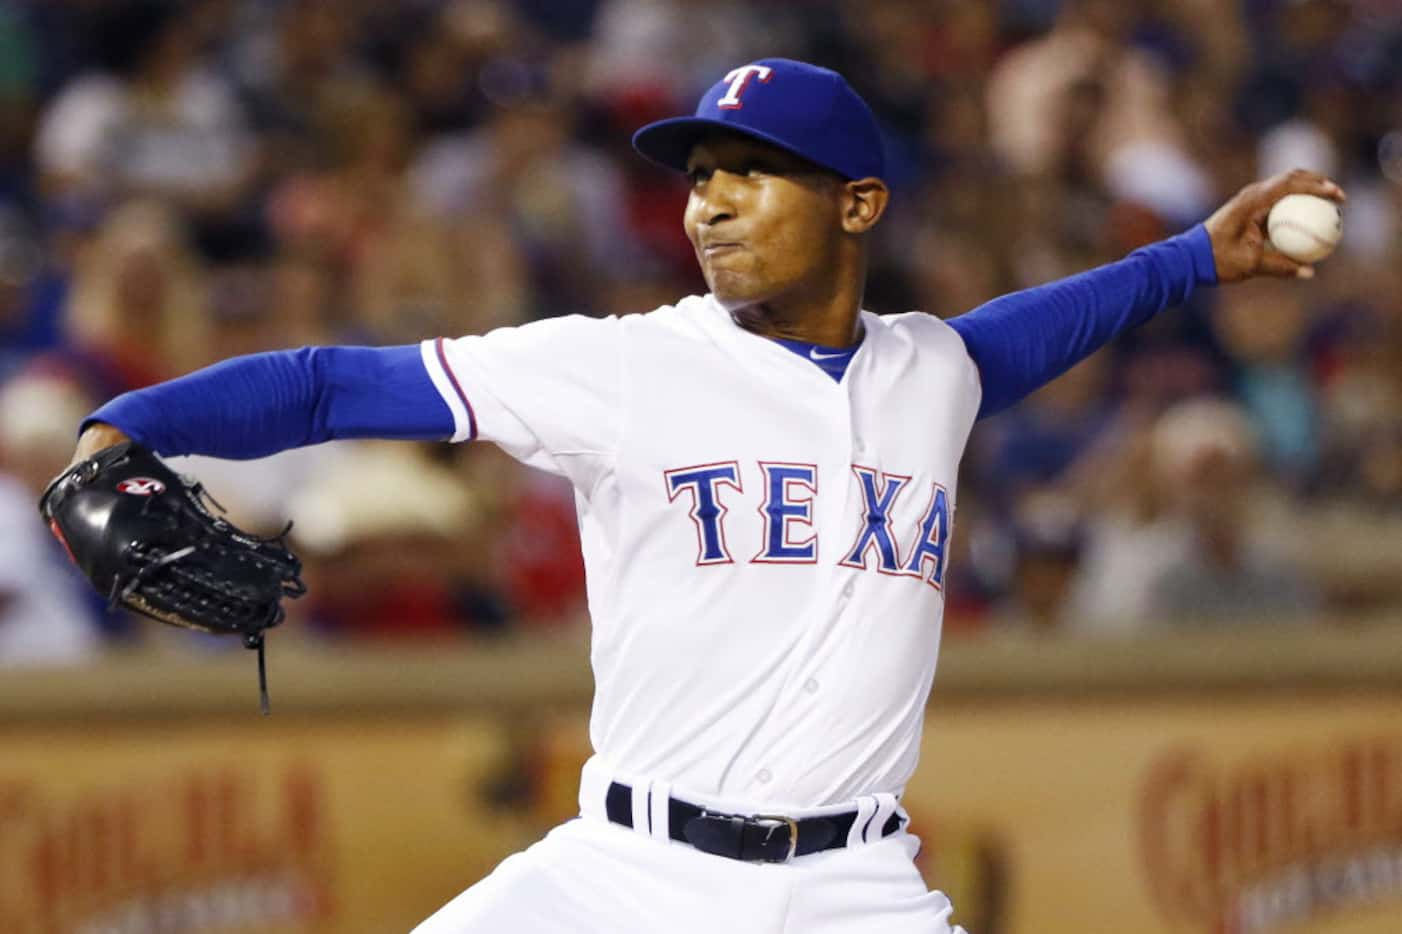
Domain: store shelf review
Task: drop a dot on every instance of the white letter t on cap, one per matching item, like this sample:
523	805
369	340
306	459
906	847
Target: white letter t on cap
739	80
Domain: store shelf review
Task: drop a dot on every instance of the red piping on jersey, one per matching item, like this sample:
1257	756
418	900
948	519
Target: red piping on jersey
452	378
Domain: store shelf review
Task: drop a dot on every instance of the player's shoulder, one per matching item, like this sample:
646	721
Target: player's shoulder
927	343
679	314
914	327
584	330
686	318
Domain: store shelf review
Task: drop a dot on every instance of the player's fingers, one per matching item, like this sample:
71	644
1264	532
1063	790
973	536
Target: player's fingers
1263	195
1303	182
1275	263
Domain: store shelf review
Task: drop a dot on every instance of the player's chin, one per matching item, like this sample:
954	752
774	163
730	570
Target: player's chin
734	288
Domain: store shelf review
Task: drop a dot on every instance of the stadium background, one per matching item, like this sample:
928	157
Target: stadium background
1171	684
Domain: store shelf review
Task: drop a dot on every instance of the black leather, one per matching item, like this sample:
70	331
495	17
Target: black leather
143	536
736	836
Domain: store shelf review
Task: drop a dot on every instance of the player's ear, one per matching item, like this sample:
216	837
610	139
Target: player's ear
863	202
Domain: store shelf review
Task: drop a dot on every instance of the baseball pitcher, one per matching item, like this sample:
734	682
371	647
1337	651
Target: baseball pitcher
766	486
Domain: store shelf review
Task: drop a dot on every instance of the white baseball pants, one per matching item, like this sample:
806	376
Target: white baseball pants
589	876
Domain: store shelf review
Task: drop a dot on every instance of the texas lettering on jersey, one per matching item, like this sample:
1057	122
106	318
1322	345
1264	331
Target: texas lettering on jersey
786	513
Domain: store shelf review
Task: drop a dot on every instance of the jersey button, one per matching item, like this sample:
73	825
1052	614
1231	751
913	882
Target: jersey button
811	686
764	776
850	589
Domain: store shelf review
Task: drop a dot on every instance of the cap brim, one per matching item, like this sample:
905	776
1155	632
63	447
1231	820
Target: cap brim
668	142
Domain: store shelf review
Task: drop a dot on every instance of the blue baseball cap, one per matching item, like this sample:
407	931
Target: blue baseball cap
810	111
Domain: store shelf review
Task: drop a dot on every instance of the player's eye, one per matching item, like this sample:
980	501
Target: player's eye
697	175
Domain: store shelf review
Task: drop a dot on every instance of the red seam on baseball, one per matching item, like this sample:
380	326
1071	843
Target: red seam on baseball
1295	226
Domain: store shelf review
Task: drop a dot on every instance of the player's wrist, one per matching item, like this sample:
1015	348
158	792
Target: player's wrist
1198	241
95	437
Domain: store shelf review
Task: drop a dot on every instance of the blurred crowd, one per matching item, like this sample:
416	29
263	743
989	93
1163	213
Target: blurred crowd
185	181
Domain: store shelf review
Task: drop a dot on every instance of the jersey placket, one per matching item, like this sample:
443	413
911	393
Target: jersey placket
832	590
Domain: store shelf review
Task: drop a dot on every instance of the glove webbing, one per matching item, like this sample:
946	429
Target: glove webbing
129	596
252	640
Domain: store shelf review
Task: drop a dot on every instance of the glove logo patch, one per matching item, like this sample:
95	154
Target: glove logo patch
141	486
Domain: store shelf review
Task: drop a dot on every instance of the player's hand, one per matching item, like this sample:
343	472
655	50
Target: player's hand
1238	228
96	437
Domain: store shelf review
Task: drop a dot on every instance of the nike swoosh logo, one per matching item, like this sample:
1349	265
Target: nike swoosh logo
814	355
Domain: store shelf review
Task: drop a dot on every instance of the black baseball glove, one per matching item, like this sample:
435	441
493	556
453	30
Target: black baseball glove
147	540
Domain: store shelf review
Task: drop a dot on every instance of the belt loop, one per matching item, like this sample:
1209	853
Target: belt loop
885	806
660	811
642	815
866	807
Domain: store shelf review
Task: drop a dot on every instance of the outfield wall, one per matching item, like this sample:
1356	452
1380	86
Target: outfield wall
1193	785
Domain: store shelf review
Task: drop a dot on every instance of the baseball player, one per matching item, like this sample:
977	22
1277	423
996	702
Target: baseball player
765	478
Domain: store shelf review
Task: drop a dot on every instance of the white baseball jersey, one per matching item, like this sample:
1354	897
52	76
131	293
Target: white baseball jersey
765	547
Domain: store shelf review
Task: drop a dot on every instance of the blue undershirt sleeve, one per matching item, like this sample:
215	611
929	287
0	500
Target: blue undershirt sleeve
259	404
1024	340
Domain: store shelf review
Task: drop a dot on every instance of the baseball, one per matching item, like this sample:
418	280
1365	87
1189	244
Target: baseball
1305	227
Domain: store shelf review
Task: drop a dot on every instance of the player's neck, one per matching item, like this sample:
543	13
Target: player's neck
828	315
766	321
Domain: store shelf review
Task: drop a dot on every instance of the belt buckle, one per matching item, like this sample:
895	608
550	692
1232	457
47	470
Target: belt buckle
774	821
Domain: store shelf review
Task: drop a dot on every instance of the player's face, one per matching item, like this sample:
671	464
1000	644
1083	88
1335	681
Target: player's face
764	223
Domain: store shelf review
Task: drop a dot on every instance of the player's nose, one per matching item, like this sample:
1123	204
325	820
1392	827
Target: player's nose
718	201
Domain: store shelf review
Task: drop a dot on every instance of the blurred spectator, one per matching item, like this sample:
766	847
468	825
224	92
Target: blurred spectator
463	275
27	326
146	119
1263	327
677	47
292	67
136	310
1035	86
1046	548
1043	439
1126	540
1083	100
527	544
343	210
562	201
383	530
1206	461
19	85
48	614
182	182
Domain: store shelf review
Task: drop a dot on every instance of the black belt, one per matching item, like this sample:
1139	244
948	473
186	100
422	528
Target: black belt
760	837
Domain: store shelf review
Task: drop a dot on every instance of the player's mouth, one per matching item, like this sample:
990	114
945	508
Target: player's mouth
720	247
